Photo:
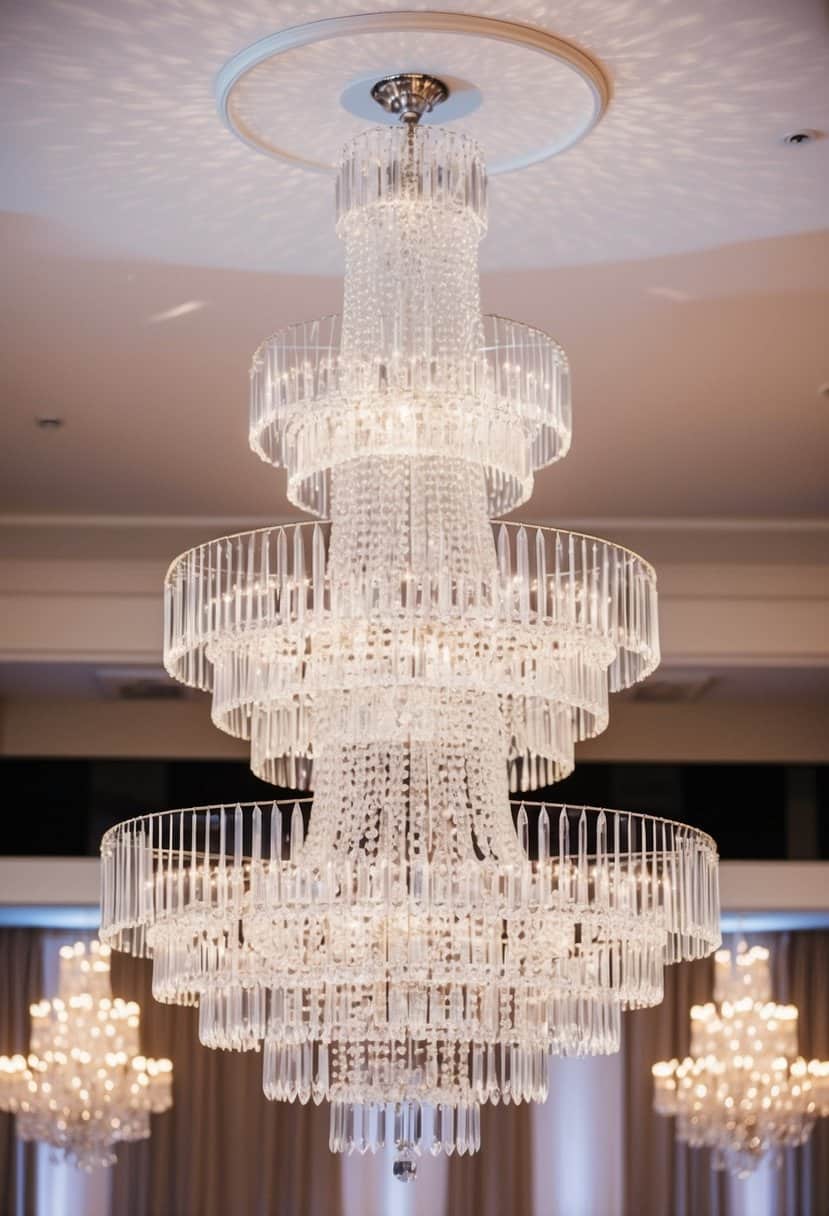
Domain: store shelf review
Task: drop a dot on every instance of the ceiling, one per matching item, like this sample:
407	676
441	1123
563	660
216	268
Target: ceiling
110	128
695	381
679	253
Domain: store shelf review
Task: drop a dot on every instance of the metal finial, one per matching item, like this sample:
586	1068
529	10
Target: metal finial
409	95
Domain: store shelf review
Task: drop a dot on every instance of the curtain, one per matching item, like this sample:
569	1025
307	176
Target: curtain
664	1178
801	977
21	983
498	1179
223	1147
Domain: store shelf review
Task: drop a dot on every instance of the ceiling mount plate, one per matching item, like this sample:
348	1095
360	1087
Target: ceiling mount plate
409	95
524	94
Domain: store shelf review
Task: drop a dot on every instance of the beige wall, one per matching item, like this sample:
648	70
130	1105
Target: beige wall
751	732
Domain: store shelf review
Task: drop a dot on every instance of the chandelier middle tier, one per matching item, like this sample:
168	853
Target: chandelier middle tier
413	952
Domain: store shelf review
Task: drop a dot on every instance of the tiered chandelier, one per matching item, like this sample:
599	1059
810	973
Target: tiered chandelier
84	1087
744	1092
416	950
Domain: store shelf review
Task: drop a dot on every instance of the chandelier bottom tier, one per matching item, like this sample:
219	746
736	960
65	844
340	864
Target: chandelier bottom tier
405	990
744	1092
84	1086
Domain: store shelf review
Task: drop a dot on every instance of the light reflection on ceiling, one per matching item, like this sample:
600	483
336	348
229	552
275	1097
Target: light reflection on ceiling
109	126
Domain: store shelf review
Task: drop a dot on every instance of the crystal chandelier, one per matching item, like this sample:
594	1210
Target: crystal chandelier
83	1086
416	945
744	1091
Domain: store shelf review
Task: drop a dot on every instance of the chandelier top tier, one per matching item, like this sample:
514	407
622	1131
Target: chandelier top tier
412	367
84	1086
522	92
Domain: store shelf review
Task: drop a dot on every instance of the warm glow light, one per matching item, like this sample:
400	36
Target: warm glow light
70	1092
732	1068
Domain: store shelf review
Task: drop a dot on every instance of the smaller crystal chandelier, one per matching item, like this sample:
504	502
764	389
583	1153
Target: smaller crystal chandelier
83	1086
744	1091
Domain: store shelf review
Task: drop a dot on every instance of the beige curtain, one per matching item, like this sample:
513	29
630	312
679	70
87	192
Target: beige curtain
663	1178
21	983
498	1179
801	976
223	1148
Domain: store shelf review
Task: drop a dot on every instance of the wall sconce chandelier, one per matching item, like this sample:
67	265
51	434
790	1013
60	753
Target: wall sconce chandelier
84	1086
744	1092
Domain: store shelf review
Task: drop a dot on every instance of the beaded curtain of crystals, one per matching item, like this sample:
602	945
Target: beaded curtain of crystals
84	1087
424	945
744	1092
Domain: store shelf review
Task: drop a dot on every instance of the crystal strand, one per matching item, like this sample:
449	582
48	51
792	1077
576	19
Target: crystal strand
256	856
524	830
564	894
318	570
276	835
250	579
207	885
543	835
194	864
541	575
299	575
297	833
600	893
582	896
221	876
523	574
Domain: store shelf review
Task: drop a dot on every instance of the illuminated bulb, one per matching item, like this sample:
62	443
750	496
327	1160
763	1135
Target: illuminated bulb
746	1090
77	1092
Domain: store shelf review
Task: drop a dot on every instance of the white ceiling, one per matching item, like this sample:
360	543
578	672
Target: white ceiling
110	128
675	253
695	381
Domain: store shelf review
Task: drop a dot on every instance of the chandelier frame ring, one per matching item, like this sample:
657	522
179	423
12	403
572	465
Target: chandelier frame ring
305	801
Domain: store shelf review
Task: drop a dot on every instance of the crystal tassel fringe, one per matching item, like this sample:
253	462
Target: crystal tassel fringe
545	624
426	986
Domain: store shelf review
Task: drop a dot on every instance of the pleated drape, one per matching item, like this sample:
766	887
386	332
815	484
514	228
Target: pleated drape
665	1178
498	1180
21	983
223	1149
801	977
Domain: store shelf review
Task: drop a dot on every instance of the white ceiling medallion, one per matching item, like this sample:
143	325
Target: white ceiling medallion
524	94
